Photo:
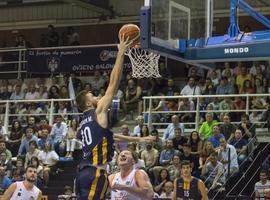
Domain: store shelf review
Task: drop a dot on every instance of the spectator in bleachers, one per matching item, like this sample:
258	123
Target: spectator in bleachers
35	162
257	67
258	103
63	93
169	131
5	94
195	143
255	117
167	154
238	104
247	88
88	87
158	144
52	37
29	136
4	162
248	129
163	177
58	134
4	149
150	156
123	145
263	186
240	145
191	88
167	190
213	172
206	129
214	76
174	168
259	88
206	151
44	137
266	116
227	128
17	94
227	67
226	104
4	180
132	98
195	72
3	132
240	79
97	82
179	140
147	85
228	157
49	159
194	161
33	151
170	88
43	92
224	87
31	122
43	124
63	110
216	136
207	87
137	129
71	137
73	38
53	92
186	105
15	137
237	68
144	132
32	94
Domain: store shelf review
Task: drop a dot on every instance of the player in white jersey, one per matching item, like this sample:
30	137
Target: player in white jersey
24	190
129	183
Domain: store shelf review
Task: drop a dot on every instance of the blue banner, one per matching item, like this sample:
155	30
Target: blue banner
73	60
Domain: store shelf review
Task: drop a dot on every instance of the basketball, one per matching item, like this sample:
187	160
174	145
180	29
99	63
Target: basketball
130	31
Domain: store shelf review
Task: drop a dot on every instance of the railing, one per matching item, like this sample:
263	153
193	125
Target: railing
13	60
149	112
49	113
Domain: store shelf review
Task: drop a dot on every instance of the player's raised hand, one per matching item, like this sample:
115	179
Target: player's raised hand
124	43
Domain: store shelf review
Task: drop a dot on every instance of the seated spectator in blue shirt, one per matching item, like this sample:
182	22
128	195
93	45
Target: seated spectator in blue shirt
29	136
4	180
169	132
224	87
240	145
216	136
17	94
167	154
58	134
44	137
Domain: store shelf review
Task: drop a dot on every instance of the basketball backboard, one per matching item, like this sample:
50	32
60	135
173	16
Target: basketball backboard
183	30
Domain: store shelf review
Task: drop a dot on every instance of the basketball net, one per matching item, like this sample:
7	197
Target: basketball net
144	63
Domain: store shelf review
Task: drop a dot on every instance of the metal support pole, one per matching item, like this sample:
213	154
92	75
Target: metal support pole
19	64
150	115
197	117
6	120
51	117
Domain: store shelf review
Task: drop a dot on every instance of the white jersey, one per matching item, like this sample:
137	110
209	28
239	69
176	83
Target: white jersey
22	194
121	194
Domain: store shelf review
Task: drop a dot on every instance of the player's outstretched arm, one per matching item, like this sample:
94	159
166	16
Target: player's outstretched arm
203	190
9	192
144	189
120	138
115	77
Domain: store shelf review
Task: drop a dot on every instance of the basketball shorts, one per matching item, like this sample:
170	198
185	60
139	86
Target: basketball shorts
91	183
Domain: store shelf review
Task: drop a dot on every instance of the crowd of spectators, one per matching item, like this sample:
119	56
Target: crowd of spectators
215	150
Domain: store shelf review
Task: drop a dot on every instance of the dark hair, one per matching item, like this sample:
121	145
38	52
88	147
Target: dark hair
187	145
184	163
264	171
30	166
34	143
177	128
81	100
168	175
154	132
191	142
36	159
13	125
214	153
147	131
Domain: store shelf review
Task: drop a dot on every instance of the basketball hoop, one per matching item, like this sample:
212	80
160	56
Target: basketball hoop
144	63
